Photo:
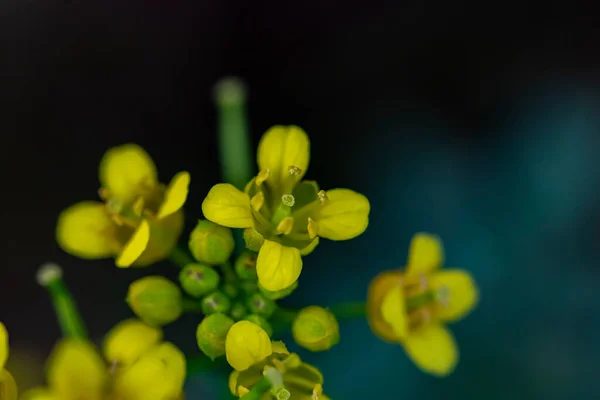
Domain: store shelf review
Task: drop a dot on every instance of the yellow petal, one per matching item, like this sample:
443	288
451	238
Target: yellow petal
85	230
225	205
130	339
233	378
164	234
393	311
175	195
8	386
280	148
136	245
433	349
76	370
246	344
124	168
3	345
457	293
159	374
378	289
39	394
277	266
310	248
344	215
279	347
425	255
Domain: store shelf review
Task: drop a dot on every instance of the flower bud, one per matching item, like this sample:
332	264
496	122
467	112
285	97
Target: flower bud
155	299
260	321
253	239
245	266
280	294
316	329
211	334
246	344
238	311
261	305
127	341
211	243
216	302
198	280
230	290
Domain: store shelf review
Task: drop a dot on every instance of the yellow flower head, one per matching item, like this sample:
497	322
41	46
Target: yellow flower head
140	219
246	344
8	387
299	380
139	367
411	307
288	213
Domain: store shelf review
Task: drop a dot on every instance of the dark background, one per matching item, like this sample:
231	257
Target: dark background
478	122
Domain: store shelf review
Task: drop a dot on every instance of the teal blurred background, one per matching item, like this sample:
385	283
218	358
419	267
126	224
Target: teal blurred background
479	124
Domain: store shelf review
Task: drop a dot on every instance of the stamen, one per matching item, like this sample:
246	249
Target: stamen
262	176
286	225
283	394
313	228
257	201
317	392
294	171
104	194
138	206
419	317
279	365
288	200
242	390
322	196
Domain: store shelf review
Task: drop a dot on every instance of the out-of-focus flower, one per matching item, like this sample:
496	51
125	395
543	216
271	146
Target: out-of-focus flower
411	307
316	329
211	334
156	300
283	215
211	243
8	386
140	367
140	219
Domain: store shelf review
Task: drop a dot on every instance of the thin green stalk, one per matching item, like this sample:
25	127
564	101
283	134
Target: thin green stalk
258	390
357	309
180	257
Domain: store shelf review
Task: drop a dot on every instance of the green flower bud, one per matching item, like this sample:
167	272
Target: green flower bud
316	329
211	243
156	300
211	334
253	239
238	311
198	280
216	302
248	287
245	266
261	305
230	290
260	321
279	294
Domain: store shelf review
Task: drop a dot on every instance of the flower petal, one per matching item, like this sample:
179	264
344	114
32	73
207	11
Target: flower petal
225	205
136	245
393	311
129	340
310	248
378	289
281	147
85	230
425	255
124	168
39	393
344	216
76	370
164	234
8	386
457	293
277	266
3	345
246	344
175	195
433	349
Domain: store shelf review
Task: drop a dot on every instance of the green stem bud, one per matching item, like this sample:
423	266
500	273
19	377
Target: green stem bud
211	334
211	243
238	311
198	280
261	305
245	266
156	300
215	302
316	329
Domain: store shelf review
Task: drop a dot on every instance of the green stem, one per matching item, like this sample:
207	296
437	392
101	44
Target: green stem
228	273
258	390
192	306
180	257
69	319
356	309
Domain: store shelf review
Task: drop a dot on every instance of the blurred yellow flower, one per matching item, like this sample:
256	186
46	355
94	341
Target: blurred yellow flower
140	220
411	307
8	386
140	367
288	213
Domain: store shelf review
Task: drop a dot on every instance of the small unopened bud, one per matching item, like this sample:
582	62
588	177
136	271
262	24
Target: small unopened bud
253	239
316	329
260	321
215	302
245	266
211	334
280	294
230	290
238	311
260	304
211	243
198	280
156	300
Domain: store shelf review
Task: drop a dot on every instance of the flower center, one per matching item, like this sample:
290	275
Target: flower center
422	301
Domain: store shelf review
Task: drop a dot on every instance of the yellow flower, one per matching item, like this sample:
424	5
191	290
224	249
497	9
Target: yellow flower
412	307
246	344
299	380
140	219
8	387
290	214
139	367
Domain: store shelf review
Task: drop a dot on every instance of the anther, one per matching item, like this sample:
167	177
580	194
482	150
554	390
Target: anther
279	365
48	273
288	200
262	176
257	201
138	207
322	196
285	226
294	171
313	228
283	394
